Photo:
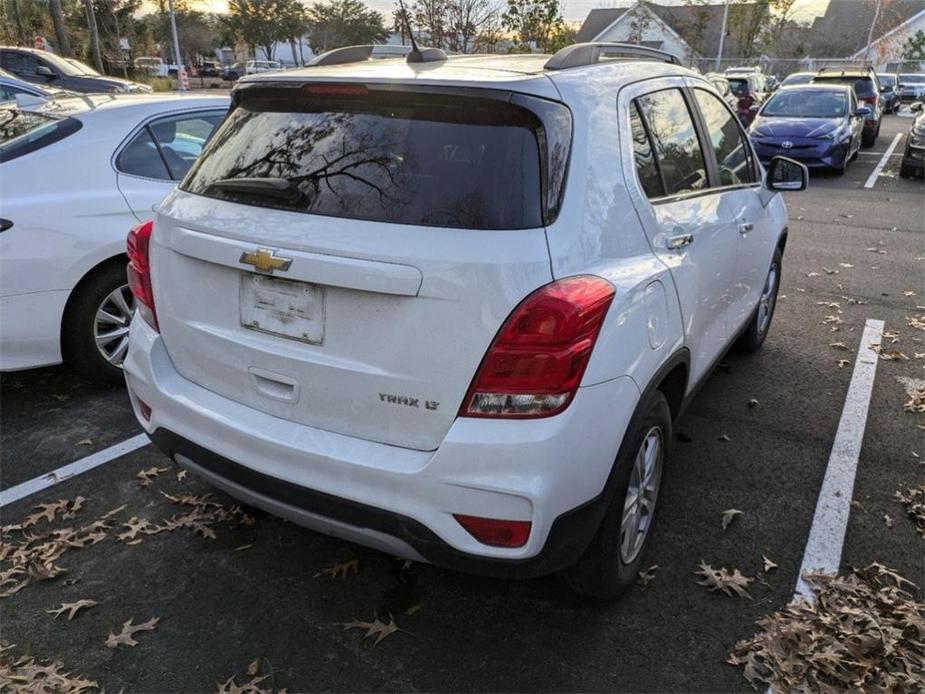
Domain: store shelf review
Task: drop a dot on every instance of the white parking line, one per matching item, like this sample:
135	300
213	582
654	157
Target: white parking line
21	491
878	169
830	521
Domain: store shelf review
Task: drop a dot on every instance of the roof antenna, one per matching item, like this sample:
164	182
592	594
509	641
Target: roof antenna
419	55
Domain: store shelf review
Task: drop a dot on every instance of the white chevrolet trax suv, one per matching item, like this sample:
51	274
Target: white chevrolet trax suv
449	307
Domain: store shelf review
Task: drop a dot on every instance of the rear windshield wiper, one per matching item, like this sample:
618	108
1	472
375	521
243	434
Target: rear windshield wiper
269	187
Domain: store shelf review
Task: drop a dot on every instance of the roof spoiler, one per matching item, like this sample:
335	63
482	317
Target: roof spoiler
582	54
359	54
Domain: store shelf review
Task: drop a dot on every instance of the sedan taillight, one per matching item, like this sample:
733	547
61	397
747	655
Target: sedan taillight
139	271
536	362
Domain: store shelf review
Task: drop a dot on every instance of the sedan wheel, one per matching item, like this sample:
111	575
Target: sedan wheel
110	325
641	495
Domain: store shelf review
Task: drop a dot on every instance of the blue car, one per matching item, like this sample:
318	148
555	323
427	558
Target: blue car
818	125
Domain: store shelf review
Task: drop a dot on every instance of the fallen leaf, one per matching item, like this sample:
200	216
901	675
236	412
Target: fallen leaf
729	516
124	638
720	579
375	628
724	437
753	403
647	576
768	564
829	272
22	674
840	345
842	363
241	548
846	265
181	475
342	569
914	501
147	475
71	608
888	519
85	442
253	668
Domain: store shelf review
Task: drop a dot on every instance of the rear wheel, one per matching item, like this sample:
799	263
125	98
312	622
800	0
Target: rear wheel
613	560
758	328
869	138
94	333
906	171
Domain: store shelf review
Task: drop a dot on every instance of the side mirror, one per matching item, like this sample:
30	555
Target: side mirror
786	174
916	107
45	71
863	111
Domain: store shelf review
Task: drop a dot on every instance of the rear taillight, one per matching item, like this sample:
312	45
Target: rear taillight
535	364
139	271
494	531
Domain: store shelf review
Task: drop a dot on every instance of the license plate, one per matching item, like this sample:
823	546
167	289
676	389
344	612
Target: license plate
294	310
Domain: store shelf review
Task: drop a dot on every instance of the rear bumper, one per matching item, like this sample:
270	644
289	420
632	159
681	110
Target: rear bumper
551	472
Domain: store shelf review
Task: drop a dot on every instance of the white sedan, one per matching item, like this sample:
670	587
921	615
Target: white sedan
75	175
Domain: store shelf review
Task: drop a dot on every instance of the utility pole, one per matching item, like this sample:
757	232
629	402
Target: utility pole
176	46
94	35
722	36
870	34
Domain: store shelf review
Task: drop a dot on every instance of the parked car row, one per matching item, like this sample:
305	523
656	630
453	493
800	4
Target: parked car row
52	71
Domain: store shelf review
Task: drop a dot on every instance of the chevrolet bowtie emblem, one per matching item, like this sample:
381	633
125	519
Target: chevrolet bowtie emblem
265	260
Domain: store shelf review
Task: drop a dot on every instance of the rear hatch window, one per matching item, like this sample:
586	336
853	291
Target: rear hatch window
486	161
22	132
863	86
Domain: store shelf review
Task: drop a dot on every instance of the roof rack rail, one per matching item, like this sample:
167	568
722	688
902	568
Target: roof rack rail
580	54
339	56
842	67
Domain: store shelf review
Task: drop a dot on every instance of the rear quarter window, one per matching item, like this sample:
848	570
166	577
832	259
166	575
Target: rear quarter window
22	132
390	156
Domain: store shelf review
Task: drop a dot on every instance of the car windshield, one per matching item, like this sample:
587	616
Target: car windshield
806	103
887	80
797	79
405	158
863	86
69	66
738	86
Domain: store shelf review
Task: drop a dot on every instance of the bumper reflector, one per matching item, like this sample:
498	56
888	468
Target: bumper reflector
495	532
145	409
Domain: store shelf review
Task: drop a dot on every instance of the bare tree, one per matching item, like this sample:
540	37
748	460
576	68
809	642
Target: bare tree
466	20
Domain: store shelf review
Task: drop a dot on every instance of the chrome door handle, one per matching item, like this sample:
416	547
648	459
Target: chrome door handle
745	227
679	241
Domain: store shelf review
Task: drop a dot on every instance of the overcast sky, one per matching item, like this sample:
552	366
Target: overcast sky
573	10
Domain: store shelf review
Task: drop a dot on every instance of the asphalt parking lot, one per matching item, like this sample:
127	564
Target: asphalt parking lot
757	439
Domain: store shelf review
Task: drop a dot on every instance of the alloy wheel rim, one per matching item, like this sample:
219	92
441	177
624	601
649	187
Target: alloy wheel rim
641	495
111	323
766	302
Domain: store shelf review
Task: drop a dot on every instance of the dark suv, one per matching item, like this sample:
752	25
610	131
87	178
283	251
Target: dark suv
889	97
867	86
50	70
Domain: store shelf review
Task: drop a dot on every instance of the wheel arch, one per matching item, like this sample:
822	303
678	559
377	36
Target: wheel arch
105	264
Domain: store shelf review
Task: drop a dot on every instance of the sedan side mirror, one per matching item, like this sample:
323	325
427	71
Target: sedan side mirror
45	71
863	111
786	174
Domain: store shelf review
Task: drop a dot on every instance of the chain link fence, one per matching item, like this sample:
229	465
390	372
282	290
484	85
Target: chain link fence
786	66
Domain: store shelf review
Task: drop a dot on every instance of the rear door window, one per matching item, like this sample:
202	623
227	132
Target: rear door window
166	148
430	159
674	139
21	64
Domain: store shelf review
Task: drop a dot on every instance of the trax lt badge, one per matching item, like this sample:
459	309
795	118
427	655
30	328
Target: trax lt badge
786	144
265	260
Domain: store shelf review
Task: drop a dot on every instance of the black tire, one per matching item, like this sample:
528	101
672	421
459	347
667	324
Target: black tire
758	328
601	572
906	171
78	341
870	139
